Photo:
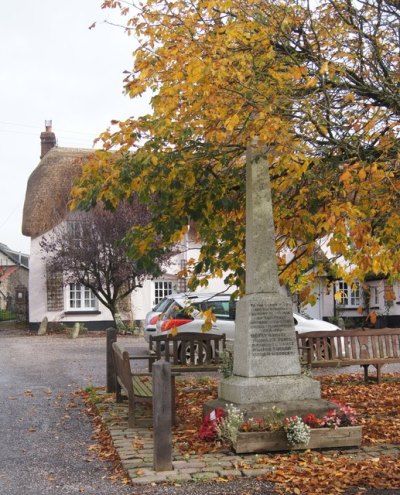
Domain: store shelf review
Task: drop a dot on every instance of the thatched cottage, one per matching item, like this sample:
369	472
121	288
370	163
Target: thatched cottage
46	200
47	196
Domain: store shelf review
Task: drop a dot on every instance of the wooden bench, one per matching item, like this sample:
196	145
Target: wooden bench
189	352
138	387
375	347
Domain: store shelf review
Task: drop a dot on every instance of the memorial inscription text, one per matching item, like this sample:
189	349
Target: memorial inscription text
271	330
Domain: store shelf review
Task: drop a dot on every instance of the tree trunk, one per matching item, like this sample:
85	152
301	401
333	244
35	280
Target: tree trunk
119	324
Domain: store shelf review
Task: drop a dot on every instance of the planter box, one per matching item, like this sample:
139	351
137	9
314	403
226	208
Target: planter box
321	438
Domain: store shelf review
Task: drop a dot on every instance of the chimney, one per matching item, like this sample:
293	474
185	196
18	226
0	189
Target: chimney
47	139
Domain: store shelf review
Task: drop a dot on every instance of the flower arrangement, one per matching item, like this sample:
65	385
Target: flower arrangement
272	422
345	416
229	426
297	429
312	420
208	429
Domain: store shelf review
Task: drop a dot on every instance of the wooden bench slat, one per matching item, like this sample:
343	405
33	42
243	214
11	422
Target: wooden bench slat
373	347
387	345
395	345
194	361
137	386
141	387
353	349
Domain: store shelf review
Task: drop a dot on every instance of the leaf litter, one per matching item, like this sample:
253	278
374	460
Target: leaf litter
300	473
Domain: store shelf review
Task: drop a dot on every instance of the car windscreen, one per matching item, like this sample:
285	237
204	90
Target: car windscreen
181	310
163	305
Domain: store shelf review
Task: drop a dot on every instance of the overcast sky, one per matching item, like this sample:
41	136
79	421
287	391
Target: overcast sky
54	68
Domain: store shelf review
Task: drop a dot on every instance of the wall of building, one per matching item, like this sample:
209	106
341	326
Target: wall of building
38	303
143	299
326	308
13	276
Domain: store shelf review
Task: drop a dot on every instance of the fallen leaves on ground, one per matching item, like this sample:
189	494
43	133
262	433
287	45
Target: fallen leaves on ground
301	473
191	394
316	473
313	472
377	406
104	447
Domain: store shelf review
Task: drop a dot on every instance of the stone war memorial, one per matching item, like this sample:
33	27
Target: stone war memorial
266	366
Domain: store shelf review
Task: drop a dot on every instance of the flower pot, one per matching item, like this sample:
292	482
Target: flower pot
321	438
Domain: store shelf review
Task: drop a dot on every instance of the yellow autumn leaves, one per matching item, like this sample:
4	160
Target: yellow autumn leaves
316	89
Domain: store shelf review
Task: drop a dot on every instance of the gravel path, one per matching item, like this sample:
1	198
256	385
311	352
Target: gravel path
45	433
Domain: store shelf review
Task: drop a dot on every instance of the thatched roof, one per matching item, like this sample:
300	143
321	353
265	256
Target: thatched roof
48	189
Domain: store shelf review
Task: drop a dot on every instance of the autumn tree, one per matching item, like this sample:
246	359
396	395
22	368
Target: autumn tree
318	86
89	248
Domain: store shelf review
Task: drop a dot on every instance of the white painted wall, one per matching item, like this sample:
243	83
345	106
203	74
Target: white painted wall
38	294
143	299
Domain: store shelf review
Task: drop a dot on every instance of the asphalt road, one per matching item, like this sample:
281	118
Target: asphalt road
45	433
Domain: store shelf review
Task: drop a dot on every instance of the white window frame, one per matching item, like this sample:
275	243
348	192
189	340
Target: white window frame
374	299
162	289
80	298
351	294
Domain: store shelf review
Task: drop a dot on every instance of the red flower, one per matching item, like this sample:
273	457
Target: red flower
312	420
208	430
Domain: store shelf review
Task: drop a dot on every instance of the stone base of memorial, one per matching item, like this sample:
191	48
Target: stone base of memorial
260	389
276	441
266	366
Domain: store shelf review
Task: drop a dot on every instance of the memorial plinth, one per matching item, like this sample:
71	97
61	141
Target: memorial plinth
266	366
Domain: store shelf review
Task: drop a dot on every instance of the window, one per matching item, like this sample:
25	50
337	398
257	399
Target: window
348	295
162	288
219	308
389	294
222	309
182	282
81	298
374	300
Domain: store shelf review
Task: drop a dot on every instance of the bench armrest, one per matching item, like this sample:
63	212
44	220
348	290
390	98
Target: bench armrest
142	357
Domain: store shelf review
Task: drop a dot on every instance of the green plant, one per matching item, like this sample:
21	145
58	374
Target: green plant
92	394
57	327
6	315
82	329
228	427
226	368
306	370
129	328
297	432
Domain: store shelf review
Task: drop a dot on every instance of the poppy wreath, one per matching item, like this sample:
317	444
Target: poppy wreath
208	430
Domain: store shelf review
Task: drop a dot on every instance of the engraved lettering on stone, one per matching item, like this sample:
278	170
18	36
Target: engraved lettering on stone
271	328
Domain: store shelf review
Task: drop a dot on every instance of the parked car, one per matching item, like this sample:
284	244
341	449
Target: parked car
161	309
153	316
185	314
304	324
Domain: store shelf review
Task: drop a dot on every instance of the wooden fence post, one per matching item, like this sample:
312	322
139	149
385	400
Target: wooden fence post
162	433
111	338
